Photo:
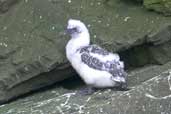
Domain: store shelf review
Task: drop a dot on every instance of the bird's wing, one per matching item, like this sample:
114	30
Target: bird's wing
94	49
100	53
100	59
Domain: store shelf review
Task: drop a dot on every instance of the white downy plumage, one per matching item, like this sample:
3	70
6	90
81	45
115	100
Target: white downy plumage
97	76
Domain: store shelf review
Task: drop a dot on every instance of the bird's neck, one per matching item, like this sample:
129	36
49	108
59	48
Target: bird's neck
76	42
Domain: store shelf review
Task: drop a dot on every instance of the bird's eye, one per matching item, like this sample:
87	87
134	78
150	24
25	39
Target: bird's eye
72	30
75	29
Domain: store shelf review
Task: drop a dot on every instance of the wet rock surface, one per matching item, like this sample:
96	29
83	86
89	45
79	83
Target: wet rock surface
32	42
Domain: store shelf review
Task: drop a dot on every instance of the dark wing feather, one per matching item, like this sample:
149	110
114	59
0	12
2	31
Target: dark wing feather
112	67
94	49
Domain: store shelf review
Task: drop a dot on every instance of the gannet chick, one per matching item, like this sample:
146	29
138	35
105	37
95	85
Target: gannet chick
96	66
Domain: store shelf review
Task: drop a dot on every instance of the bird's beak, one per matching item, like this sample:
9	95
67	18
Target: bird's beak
69	30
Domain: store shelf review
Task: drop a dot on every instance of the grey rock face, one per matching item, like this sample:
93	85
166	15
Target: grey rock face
32	38
26	51
150	96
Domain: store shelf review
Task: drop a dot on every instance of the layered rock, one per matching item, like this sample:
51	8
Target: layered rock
32	39
152	95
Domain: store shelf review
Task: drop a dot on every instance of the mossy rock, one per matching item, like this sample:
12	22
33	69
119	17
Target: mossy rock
162	6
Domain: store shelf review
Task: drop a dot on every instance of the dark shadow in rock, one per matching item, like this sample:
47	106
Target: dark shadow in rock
111	3
133	2
146	54
72	83
137	56
41	83
5	5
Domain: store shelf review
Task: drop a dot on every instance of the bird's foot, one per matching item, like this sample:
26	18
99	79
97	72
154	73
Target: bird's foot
120	89
121	86
87	91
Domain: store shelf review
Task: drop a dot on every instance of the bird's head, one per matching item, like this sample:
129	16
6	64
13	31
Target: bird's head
76	27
